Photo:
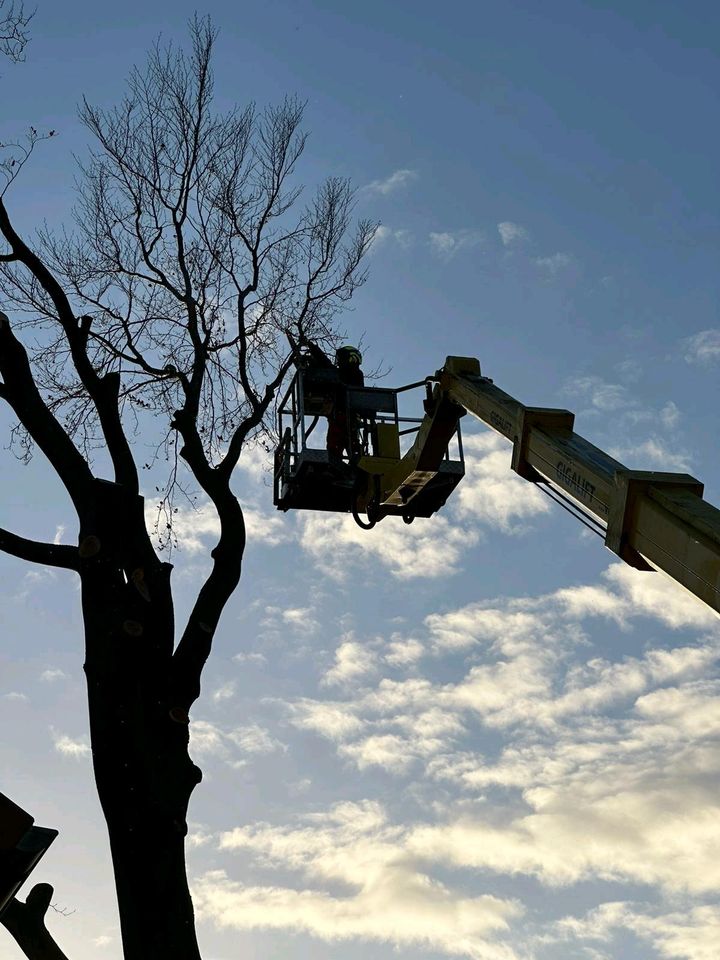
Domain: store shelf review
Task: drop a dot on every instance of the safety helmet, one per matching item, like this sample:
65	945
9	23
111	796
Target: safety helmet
348	355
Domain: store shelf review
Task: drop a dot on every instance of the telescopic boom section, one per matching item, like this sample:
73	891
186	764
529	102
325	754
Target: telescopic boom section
652	520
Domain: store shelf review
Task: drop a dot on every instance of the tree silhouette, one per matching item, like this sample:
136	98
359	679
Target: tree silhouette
192	274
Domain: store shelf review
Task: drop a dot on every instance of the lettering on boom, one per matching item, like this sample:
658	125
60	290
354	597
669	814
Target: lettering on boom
574	481
500	423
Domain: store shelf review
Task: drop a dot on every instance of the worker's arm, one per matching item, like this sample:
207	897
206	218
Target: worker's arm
318	355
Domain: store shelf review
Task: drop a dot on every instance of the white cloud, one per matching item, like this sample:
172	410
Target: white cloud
403	908
258	658
652	453
256	463
693	934
402	651
606	397
512	233
300	618
490	492
270	529
206	739
670	415
689	934
210	740
396	181
254	739
335	543
630	369
524	641
601	767
703	347
404	238
490	495
15	695
52	674
421	735
614	398
652	595
388	898
198	835
692	709
593	812
31	581
353	661
523	644
64	744
602	395
332	720
448	243
555	264
294	620
226	691
197	530
383	235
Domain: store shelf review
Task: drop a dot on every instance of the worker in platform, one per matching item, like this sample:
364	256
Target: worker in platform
342	432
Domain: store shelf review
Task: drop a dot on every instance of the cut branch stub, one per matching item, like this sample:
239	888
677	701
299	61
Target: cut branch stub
90	546
140	584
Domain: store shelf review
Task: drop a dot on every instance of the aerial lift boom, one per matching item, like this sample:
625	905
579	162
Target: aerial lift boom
652	520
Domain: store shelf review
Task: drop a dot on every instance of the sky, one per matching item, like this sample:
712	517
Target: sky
480	736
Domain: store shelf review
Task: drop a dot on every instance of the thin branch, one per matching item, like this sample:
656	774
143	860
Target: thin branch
14	35
102	390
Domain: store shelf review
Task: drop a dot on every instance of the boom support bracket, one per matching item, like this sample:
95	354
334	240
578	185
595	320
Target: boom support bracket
548	419
631	486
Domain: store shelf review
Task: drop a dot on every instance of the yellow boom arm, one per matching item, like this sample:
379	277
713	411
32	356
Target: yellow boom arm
652	520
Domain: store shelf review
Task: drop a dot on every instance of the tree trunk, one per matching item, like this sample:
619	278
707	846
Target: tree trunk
139	734
156	911
145	777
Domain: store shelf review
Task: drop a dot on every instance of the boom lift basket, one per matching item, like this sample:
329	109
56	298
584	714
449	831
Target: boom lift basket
308	477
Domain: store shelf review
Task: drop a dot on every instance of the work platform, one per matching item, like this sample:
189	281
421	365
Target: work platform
308	477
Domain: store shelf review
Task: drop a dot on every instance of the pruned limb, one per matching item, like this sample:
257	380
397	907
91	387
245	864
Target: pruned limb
50	554
21	392
26	923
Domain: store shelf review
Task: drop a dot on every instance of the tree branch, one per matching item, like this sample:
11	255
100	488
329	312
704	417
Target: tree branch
21	392
101	390
14	35
49	554
195	644
26	923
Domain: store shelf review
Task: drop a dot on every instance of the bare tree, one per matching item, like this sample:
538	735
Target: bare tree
193	272
14	23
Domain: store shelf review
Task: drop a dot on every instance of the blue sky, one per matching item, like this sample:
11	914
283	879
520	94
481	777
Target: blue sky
478	736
